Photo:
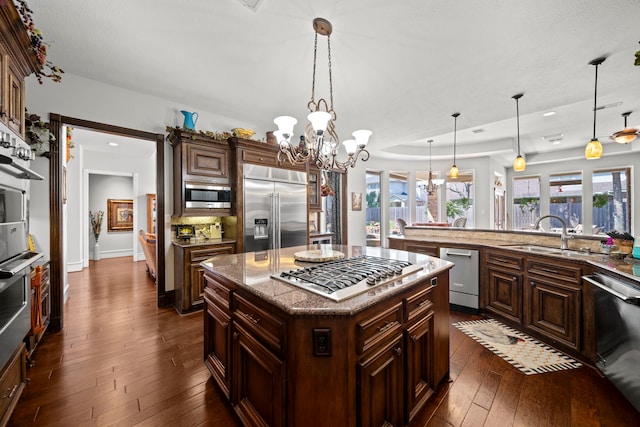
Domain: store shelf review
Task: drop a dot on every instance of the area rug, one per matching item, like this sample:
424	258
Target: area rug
522	351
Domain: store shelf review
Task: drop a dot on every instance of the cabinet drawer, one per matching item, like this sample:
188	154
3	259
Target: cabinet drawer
544	268
217	293
373	330
505	260
12	383
418	304
259	158
269	328
199	255
421	248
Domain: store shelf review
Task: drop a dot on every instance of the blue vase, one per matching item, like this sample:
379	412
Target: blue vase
190	120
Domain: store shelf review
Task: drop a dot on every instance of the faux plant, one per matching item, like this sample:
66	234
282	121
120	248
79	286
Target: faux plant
38	46
96	223
637	58
38	133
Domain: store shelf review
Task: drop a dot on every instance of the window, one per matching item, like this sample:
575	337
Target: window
526	202
427	205
460	198
398	200
565	199
611	206
373	209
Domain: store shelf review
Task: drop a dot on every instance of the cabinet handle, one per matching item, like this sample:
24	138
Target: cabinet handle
548	270
3	113
12	392
252	319
387	326
398	351
414	338
235	335
504	261
225	324
423	303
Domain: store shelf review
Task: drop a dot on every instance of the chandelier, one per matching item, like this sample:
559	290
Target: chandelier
320	143
432	184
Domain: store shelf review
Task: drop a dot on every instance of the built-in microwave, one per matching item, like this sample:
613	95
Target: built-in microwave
198	196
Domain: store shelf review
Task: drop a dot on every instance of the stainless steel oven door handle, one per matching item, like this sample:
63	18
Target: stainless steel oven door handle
629	299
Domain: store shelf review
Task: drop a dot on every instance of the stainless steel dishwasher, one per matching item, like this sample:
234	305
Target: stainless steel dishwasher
463	278
617	313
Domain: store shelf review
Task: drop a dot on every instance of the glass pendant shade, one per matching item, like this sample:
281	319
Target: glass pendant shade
362	137
350	146
285	127
519	165
454	172
593	150
319	121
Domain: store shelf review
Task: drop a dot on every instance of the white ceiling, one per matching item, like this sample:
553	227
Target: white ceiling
400	68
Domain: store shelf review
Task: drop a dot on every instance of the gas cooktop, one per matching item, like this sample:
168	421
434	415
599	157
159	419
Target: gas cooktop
346	278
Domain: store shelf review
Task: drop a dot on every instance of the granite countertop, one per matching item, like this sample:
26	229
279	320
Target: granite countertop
628	266
252	272
201	242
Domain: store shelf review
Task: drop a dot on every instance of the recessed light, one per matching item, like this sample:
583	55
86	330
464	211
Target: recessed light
554	137
113	144
549	113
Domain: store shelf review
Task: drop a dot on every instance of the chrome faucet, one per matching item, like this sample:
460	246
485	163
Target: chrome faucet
563	237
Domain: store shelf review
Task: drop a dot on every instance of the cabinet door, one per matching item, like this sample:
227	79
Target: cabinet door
206	164
380	387
217	345
505	294
315	181
419	372
258	382
15	101
554	311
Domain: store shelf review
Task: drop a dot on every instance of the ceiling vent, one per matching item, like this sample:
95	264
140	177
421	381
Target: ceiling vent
251	4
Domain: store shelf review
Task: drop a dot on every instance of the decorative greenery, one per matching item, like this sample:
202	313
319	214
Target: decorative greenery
172	134
38	133
637	58
38	46
96	223
600	200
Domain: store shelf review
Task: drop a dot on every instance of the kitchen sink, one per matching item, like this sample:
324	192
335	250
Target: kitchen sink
548	250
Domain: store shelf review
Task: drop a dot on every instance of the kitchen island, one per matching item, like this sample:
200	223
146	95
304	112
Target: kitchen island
286	356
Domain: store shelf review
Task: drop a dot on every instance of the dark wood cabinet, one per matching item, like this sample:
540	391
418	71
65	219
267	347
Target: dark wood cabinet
380	386
272	365
417	246
189	274
12	382
40	307
17	61
554	302
502	293
198	160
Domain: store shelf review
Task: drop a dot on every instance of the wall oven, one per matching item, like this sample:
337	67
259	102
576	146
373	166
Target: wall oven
207	196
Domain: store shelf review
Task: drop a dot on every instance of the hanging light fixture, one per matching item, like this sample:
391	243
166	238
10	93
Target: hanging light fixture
320	143
432	184
519	165
593	150
454	172
627	134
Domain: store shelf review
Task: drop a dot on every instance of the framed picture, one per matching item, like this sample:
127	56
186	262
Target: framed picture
120	215
356	201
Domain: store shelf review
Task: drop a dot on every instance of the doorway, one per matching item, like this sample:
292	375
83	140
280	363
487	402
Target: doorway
56	195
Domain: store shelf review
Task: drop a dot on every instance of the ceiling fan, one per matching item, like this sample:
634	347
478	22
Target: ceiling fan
627	134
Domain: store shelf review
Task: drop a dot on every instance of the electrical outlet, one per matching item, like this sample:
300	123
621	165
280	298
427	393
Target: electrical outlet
321	342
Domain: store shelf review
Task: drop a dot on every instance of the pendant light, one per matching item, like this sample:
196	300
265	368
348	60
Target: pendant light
625	135
454	172
593	150
519	165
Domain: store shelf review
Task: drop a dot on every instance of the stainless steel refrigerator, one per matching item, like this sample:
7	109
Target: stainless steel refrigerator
275	208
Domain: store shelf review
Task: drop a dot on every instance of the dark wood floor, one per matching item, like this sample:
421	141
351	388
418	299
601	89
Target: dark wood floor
122	361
